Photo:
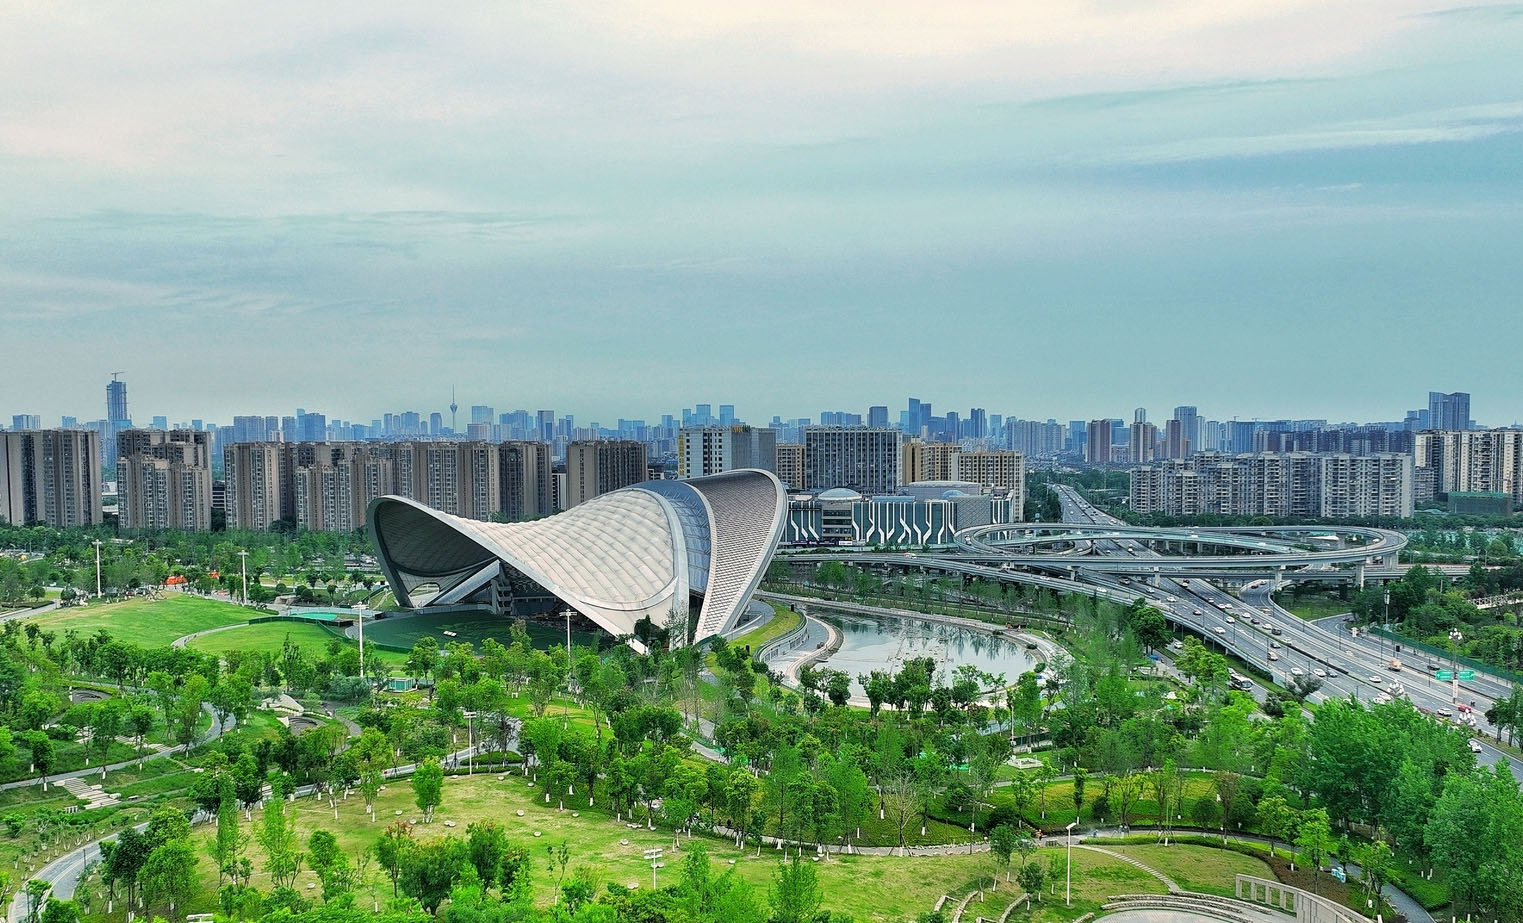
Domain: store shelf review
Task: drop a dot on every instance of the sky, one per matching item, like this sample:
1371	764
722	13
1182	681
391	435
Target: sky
1267	208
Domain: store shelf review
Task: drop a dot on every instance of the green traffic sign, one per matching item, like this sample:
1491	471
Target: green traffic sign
1445	675
1467	675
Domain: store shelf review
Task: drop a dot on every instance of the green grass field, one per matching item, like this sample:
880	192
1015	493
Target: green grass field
475	627
265	636
870	888
1313	605
148	622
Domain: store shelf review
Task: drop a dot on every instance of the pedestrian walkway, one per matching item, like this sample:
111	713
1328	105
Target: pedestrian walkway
92	795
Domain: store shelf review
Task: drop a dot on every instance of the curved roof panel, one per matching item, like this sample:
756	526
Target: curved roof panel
631	553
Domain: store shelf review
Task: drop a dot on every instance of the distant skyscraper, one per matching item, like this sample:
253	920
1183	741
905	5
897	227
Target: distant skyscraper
1099	441
481	413
116	401
27	421
546	421
435	423
877	417
1448	412
1189	421
1140	415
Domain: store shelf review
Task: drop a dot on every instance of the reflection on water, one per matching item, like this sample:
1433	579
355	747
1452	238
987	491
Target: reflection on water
870	643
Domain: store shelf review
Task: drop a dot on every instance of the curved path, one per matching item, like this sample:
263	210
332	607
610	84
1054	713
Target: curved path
216	730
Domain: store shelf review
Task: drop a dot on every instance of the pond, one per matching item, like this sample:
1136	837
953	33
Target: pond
886	642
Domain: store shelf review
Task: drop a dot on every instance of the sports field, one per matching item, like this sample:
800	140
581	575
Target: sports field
146	621
405	630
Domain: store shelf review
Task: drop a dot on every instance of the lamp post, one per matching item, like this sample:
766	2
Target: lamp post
97	569
470	742
1454	672
243	563
359	621
1068	886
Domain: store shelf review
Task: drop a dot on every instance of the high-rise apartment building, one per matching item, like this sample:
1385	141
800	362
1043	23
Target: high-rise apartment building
1448	412
164	479
594	468
1098	444
50	477
859	458
1143	442
1003	472
1175	443
705	450
1296	484
524	472
1475	460
1189	422
790	464
252	496
928	461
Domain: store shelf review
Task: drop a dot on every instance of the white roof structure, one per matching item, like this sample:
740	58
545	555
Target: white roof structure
651	550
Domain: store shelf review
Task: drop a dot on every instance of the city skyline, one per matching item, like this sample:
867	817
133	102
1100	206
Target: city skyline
1120	411
1260	205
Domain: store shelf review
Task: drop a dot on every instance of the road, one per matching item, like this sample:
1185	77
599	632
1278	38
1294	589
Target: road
1351	666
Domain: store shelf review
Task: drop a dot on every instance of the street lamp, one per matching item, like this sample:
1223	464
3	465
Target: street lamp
470	742
243	561
1454	672
1068	886
359	621
97	569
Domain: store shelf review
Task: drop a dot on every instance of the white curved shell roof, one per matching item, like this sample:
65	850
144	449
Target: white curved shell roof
633	553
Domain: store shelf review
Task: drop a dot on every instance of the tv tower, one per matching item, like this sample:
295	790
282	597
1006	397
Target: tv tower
453	407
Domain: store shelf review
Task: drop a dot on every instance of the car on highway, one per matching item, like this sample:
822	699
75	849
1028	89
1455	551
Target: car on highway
1197	613
1220	630
1375	679
1252	620
1275	630
1319	673
1475	745
1273	656
1231	620
1173	599
1444	713
1275	645
1297	671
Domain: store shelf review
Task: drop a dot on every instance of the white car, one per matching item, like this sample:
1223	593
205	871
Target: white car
1231	620
1173	599
1297	671
1319	673
1375	679
1475	745
1197	613
1220	630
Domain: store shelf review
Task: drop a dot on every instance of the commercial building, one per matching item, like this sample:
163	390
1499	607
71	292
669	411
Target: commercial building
1297	484
679	553
790	464
50	477
859	458
706	450
164	479
1448	411
599	467
927	514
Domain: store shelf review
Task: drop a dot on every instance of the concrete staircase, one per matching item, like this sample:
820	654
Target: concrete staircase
92	795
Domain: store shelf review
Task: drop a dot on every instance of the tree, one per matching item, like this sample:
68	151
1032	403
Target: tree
276	835
1376	859
1314	838
430	870
428	787
169	876
1031	877
1275	817
1002	846
227	847
35	890
391	850
1078	791
795	893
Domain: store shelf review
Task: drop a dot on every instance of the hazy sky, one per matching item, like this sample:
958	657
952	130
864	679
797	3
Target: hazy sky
1263	207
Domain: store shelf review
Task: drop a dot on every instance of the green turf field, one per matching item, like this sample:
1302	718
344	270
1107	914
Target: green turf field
149	622
475	627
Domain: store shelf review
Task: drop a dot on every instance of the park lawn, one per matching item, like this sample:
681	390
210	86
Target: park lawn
783	621
1312	606
148	622
1198	868
870	888
1060	806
